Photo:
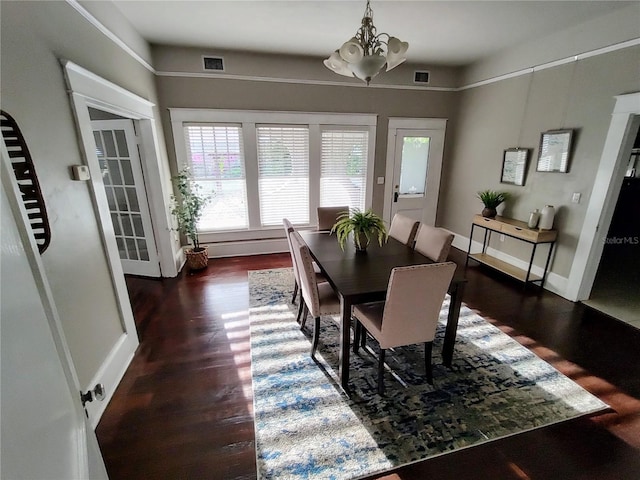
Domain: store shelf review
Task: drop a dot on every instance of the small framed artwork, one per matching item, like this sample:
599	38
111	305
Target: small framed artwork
514	166
555	149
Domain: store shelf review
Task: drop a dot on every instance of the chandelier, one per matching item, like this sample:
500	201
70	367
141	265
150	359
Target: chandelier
367	52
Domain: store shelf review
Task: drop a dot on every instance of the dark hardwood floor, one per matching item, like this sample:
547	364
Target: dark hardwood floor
184	408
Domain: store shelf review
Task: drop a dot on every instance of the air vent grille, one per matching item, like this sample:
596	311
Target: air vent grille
213	63
421	77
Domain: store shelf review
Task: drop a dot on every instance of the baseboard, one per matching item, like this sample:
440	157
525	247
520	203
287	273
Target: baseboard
555	283
109	375
247	247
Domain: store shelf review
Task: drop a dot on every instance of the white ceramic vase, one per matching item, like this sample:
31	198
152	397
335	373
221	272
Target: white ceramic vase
534	218
546	217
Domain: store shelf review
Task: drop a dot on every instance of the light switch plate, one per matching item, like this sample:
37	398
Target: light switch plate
575	198
380	180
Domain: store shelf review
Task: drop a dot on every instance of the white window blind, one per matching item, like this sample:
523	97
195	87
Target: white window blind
216	157
343	170
283	174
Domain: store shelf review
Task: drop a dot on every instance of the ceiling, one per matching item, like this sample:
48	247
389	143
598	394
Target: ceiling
439	32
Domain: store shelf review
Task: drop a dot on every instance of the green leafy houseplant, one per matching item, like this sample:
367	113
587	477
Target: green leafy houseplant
189	206
363	225
491	199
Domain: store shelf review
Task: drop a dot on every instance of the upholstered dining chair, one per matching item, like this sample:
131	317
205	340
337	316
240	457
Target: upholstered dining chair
328	216
434	242
288	228
403	229
319	298
410	313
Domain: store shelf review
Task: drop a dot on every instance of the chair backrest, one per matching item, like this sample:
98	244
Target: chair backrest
308	282
414	299
433	242
403	229
288	228
327	217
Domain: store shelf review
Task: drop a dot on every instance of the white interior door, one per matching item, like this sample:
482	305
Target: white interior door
43	426
117	152
414	165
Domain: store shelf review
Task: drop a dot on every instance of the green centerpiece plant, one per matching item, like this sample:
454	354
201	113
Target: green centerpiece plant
491	199
188	207
362	225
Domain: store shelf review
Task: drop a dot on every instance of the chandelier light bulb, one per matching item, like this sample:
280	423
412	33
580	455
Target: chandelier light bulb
351	51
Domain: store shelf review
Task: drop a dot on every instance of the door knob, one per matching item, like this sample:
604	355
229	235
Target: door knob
395	197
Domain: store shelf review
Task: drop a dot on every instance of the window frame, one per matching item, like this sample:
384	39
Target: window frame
248	119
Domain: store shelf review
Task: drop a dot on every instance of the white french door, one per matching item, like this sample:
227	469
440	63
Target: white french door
117	152
414	165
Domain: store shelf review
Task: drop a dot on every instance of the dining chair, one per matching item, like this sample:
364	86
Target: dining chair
410	313
328	216
434	242
288	228
403	229
318	298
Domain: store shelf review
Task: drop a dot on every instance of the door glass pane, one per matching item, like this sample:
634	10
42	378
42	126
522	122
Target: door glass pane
137	225
114	170
413	166
121	141
131	248
127	173
126	225
116	224
109	145
110	198
121	200
121	249
142	249
133	199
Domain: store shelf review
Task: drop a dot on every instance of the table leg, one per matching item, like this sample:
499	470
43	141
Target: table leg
452	324
345	340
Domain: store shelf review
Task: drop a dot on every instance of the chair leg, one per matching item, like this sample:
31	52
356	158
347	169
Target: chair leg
305	313
300	308
316	336
363	337
295	291
356	337
427	361
381	372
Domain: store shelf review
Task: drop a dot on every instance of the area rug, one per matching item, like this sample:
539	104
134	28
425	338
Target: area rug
307	428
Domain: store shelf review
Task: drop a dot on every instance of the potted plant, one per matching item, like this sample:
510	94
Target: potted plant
188	209
363	225
491	199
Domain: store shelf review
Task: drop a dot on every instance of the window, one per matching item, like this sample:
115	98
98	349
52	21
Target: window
265	166
343	171
283	173
215	155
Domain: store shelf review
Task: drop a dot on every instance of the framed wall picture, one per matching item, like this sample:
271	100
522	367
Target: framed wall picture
514	166
555	149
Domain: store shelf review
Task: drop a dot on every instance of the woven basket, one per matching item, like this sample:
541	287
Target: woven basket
197	260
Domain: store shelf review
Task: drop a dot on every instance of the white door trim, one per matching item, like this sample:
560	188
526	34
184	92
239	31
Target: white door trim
401	123
89	90
606	189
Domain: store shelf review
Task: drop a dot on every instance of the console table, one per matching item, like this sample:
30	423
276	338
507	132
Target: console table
514	229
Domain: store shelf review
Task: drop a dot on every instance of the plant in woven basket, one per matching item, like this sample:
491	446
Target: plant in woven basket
188	207
363	225
491	199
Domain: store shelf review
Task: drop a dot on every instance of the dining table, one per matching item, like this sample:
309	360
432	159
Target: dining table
363	276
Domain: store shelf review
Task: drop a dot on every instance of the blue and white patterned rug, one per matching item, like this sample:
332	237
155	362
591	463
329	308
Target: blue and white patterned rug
306	428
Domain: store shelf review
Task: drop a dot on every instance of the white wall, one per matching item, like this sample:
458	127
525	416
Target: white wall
35	36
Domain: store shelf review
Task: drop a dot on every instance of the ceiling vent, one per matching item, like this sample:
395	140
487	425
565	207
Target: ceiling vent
420	77
213	63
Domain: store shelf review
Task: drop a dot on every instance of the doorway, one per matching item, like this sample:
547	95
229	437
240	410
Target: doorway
414	165
123	182
616	289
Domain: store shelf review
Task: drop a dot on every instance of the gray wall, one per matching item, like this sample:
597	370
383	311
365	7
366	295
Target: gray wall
35	36
220	93
513	113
